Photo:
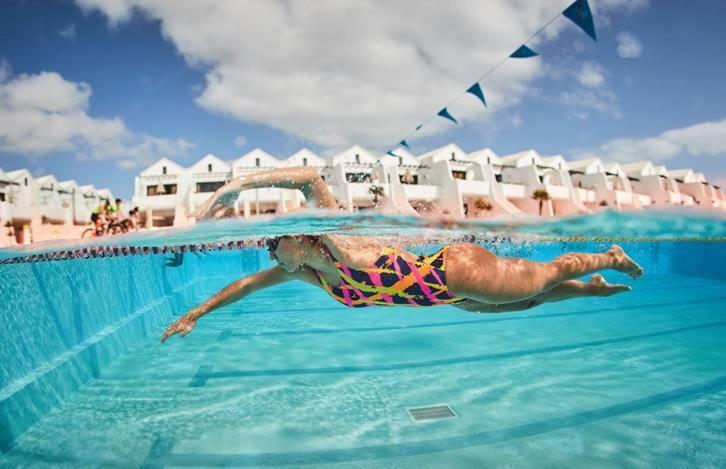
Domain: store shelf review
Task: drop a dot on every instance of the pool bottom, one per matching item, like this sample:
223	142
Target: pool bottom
635	379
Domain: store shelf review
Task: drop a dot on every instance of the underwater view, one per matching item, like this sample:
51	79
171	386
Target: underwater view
362	234
288	376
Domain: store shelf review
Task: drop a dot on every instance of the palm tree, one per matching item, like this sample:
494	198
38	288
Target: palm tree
376	191
541	195
482	205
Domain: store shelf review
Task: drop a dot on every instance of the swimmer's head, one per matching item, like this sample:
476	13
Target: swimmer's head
287	251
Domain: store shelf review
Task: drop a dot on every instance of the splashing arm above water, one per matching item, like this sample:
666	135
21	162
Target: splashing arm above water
235	291
304	178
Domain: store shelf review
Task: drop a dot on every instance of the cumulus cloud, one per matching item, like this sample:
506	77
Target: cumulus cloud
68	32
591	75
629	47
341	72
240	141
5	70
44	113
705	138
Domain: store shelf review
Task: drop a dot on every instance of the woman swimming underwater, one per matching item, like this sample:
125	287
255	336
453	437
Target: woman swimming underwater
361	271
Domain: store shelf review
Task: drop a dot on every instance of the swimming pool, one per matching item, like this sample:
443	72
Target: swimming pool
288	377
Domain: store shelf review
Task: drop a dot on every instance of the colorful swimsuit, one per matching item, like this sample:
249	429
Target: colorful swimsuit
393	281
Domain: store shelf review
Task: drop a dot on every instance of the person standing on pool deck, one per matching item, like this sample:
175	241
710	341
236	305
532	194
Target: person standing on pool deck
361	271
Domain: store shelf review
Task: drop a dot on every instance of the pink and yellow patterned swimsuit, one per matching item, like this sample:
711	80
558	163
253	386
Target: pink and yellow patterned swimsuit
393	280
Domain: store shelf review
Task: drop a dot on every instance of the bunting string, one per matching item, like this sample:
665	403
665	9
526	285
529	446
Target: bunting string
578	12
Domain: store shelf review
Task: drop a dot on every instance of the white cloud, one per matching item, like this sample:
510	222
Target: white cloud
705	138
591	75
5	70
629	47
240	141
68	32
340	72
627	6
44	113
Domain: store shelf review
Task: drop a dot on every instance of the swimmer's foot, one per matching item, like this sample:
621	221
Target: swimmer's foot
602	288
623	263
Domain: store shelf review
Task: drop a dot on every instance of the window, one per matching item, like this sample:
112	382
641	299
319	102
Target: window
458	174
357	158
2	196
305	161
209	186
209	168
257	162
357	177
498	177
400	161
453	156
169	189
163	170
26	181
408	179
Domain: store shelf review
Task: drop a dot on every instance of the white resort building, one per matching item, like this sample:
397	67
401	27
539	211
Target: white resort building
447	180
33	209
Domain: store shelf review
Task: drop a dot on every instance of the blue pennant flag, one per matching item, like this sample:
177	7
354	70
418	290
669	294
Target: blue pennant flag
523	52
404	143
580	14
476	90
419	127
390	152
445	114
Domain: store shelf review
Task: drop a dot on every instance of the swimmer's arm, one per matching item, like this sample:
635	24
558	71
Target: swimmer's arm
235	291
304	178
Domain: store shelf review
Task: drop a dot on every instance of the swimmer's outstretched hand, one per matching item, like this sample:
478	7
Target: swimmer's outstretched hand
181	326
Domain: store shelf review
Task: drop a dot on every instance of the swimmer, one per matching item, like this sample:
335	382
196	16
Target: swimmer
360	271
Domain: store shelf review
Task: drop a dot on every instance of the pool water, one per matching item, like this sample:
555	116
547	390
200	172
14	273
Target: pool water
287	377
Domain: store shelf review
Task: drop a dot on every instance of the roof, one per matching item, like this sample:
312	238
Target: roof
249	160
640	168
218	165
348	156
445	152
46	180
556	162
484	156
296	159
523	158
157	168
588	165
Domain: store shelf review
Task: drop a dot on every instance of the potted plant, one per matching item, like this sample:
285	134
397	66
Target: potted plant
377	191
482	205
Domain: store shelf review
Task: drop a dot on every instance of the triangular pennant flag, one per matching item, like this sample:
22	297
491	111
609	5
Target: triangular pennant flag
523	52
390	152
445	114
419	126
476	90
580	14
404	143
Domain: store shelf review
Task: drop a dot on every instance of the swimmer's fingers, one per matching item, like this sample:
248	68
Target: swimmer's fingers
182	327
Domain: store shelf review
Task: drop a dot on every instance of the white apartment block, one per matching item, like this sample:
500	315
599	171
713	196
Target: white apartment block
35	206
446	180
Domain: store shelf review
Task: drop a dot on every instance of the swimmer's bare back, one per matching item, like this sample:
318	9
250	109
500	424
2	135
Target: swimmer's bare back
485	282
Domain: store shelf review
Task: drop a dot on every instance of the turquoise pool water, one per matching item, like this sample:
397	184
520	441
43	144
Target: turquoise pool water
287	377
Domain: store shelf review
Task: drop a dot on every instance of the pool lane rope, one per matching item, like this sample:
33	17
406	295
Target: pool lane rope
95	252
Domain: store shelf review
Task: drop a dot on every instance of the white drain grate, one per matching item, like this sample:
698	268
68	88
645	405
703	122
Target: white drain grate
434	412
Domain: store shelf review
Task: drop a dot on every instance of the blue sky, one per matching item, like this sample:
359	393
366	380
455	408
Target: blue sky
94	91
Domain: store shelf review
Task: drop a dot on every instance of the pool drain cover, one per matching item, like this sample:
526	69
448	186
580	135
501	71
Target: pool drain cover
434	412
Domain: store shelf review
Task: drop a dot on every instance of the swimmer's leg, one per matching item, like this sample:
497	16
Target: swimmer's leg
597	286
475	273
